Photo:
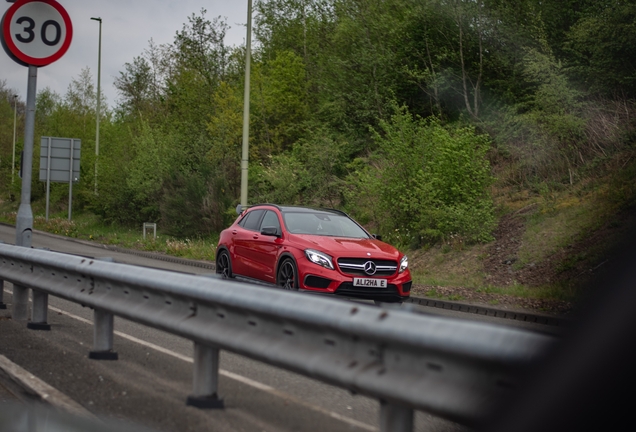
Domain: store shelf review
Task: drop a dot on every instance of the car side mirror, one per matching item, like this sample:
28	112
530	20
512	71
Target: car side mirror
377	236
270	231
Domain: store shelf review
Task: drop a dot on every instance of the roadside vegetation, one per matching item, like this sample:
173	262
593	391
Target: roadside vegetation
88	227
493	140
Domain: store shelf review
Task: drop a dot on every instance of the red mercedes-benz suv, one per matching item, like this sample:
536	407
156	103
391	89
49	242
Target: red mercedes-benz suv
312	249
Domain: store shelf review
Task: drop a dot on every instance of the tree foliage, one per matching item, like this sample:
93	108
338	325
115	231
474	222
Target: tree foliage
533	84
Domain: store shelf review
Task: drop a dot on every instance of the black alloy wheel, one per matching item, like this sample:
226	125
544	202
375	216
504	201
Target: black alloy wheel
224	265
287	277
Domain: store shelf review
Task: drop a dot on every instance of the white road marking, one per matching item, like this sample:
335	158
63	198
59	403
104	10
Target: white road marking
231	375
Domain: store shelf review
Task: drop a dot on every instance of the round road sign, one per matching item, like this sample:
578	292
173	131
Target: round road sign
36	32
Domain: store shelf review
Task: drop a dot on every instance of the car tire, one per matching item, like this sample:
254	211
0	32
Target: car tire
224	265
287	275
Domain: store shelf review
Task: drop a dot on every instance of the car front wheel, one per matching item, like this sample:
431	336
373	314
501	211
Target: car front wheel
224	265
287	277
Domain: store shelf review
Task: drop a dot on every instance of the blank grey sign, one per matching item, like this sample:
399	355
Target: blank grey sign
60	159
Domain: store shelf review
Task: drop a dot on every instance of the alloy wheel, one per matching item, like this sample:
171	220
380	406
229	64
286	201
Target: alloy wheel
287	276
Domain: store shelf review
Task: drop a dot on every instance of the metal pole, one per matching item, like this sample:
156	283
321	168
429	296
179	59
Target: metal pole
99	80
246	107
24	220
48	177
39	313
205	378
395	418
70	180
103	329
15	121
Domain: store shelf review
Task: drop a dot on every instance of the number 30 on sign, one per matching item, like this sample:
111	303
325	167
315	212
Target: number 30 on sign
36	32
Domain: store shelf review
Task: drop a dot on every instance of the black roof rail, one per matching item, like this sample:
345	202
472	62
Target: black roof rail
240	208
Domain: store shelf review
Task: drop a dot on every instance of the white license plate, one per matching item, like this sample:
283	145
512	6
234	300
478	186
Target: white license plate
368	282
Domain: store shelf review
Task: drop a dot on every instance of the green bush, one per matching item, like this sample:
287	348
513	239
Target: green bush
430	181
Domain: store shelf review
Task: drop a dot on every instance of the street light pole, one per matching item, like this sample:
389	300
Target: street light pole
246	107
99	79
15	118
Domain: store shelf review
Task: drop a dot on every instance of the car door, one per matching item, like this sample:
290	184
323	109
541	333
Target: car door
264	249
241	239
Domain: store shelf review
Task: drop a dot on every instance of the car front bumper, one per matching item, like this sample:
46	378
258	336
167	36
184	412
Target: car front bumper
330	281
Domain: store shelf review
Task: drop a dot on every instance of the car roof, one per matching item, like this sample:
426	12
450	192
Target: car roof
299	209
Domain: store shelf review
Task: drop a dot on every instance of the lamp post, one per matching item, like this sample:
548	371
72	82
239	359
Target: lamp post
15	118
99	76
246	108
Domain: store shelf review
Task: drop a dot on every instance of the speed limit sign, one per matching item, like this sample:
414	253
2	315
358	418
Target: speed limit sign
36	32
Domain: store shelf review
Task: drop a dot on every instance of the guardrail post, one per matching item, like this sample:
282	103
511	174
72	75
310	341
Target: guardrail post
103	330
20	310
39	311
2	305
395	418
205	378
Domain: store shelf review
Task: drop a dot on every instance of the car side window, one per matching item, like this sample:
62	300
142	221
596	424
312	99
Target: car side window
271	220
252	220
242	221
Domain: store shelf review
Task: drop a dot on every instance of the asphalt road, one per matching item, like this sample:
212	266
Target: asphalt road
149	383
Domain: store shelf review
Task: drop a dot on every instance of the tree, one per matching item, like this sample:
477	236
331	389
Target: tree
279	103
200	46
603	47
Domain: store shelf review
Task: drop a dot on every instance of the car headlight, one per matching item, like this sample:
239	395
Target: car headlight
404	263
319	258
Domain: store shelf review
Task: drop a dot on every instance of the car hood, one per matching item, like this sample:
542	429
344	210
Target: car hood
346	247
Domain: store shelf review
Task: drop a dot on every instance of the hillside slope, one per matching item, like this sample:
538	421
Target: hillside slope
546	251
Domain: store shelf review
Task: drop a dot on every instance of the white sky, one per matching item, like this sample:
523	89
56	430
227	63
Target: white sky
127	27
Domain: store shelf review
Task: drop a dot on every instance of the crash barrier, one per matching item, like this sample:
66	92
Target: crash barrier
455	369
18	417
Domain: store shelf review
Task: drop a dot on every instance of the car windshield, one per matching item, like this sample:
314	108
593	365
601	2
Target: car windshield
322	224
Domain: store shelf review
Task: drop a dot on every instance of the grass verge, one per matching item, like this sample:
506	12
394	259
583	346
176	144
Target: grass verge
89	227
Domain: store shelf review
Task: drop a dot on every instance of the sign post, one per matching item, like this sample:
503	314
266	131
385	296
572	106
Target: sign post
35	33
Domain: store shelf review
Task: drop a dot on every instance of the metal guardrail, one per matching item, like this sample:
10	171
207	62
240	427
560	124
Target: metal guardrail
490	311
456	369
16	417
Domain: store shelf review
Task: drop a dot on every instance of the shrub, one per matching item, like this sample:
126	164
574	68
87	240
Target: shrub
430	179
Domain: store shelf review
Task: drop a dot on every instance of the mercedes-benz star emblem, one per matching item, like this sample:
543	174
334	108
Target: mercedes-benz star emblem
369	268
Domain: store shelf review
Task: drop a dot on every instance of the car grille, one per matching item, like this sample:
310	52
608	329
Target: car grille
355	266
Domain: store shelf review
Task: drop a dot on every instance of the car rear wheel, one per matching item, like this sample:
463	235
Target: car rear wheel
287	277
224	265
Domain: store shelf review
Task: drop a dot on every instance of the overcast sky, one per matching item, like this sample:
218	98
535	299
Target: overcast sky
127	27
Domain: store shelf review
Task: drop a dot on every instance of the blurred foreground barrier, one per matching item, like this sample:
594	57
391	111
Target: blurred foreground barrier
15	417
456	369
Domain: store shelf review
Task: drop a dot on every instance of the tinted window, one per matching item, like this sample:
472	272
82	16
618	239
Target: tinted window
252	219
323	224
270	220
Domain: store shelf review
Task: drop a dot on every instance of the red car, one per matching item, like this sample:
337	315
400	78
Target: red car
311	249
